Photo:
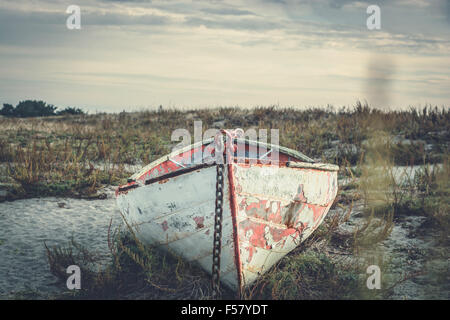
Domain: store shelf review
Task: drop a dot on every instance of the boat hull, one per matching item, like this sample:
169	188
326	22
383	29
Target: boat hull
277	209
177	214
268	210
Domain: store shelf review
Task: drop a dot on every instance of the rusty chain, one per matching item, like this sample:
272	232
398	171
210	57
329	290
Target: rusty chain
217	246
218	213
220	148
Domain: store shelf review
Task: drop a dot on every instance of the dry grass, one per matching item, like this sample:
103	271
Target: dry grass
77	155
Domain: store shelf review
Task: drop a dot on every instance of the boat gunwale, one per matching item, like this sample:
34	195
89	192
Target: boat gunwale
167	176
288	151
289	164
315	166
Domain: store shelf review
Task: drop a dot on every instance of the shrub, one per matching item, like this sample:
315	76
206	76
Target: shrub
7	110
33	108
70	110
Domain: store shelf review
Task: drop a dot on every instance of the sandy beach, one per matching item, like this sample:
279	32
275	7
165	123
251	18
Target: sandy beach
26	224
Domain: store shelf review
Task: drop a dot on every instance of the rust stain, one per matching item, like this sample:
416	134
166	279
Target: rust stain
291	213
300	194
199	221
251	250
164	225
280	234
254	269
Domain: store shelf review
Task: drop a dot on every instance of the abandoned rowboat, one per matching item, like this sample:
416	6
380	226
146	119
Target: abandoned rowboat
268	208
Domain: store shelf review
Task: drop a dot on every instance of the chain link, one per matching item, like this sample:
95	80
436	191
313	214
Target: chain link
226	150
217	245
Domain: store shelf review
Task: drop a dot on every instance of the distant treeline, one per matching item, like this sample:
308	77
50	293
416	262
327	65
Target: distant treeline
34	108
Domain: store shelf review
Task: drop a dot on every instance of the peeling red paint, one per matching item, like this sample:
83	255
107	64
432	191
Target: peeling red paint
261	233
318	211
263	218
262	209
257	238
272	210
279	234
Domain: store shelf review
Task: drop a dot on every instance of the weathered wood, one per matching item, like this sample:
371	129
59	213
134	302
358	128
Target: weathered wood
268	209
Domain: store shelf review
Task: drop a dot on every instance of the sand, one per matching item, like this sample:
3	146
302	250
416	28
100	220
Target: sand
26	224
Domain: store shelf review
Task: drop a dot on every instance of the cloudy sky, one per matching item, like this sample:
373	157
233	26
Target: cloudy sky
207	53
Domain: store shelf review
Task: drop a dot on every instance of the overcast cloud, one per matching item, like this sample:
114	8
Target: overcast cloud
138	54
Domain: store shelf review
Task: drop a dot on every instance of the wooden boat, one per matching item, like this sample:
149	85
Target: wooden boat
268	208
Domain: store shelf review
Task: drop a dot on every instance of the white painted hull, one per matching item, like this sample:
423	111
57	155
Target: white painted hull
277	209
267	212
178	214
